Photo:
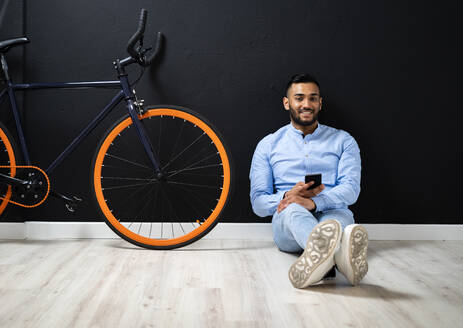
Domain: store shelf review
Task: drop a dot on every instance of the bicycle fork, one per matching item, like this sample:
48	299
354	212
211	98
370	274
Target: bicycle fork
135	116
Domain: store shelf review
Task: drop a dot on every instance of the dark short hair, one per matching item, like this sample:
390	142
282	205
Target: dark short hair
301	78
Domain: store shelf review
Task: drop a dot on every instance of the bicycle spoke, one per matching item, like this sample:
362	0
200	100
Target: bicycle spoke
200	174
194	168
138	214
128	186
202	160
167	198
154	208
185	149
146	203
192	184
159	143
155	199
128	199
177	217
199	153
142	209
127	161
187	200
195	195
138	179
174	212
176	141
123	168
180	223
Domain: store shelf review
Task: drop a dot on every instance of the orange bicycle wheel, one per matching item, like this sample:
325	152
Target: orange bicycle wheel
7	164
182	206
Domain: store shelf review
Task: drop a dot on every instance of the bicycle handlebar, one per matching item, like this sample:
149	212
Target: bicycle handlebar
138	53
157	48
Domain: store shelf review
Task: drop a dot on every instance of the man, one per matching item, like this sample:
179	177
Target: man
318	220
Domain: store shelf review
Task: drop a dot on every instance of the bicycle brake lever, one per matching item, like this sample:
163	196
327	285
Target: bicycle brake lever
141	54
144	51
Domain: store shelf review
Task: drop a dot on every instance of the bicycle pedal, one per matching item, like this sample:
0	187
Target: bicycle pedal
70	208
77	199
72	203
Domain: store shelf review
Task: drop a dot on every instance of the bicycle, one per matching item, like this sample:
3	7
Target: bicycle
161	175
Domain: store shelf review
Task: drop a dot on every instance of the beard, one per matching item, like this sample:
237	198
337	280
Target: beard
294	114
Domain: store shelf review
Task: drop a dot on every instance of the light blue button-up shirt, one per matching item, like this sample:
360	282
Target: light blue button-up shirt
283	158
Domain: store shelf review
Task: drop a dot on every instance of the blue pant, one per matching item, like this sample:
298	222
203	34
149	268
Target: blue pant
292	226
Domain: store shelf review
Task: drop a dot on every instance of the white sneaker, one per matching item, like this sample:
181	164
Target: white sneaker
318	256
351	259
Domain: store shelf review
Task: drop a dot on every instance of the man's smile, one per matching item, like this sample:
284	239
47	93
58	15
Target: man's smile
306	112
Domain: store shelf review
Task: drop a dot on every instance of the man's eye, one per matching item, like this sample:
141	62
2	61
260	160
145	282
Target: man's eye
299	98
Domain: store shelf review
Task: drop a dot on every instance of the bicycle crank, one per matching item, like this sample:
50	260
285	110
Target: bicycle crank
29	186
71	202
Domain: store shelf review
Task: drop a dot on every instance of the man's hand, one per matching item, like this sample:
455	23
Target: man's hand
300	195
304	202
300	189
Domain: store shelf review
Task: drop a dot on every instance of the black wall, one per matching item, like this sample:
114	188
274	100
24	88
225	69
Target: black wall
388	71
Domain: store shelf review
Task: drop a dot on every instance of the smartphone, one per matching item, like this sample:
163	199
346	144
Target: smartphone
314	177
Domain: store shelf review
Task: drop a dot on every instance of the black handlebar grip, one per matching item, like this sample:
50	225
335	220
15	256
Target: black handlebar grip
142	23
157	48
137	35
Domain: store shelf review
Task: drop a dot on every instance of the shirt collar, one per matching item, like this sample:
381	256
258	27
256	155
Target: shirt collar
299	133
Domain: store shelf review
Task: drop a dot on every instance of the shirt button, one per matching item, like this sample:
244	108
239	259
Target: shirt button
306	155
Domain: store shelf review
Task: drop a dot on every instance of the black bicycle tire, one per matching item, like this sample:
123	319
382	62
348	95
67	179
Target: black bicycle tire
231	185
15	149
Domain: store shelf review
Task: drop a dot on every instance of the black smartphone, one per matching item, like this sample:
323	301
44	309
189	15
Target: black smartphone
314	177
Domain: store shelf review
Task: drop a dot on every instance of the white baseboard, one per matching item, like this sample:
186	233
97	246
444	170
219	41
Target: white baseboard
260	231
12	230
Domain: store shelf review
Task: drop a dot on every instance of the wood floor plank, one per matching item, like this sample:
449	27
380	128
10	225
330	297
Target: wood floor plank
222	283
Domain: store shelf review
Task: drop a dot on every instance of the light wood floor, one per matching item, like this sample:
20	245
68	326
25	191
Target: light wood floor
222	283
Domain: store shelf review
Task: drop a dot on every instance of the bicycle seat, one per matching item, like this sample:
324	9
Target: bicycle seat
7	44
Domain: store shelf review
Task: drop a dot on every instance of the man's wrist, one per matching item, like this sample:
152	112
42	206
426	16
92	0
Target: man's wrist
315	207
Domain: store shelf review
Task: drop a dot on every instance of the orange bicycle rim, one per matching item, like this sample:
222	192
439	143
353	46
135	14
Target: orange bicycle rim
213	216
9	149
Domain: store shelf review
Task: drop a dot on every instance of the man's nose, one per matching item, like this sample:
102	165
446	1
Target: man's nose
306	104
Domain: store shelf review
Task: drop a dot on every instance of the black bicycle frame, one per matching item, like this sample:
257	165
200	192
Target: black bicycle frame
125	93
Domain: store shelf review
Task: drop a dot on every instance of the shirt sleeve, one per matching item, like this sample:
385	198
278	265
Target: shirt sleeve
347	187
264	201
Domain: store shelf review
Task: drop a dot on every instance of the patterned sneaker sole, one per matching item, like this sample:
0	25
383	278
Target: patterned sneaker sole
318	256
358	246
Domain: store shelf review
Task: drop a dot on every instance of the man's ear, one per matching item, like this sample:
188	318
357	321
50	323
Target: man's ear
286	103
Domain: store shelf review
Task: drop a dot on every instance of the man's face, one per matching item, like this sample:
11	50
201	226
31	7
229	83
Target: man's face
304	103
